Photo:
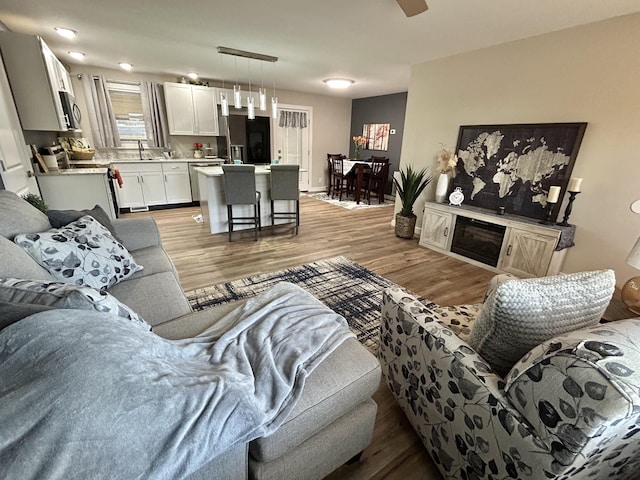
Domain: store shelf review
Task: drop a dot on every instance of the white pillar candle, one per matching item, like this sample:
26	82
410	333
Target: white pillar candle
554	194
574	184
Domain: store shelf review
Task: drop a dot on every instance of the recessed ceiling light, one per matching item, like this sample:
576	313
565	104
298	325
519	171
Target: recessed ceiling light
65	32
339	82
125	66
192	75
76	55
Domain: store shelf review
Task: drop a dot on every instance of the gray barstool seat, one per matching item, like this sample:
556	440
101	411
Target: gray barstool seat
285	180
240	189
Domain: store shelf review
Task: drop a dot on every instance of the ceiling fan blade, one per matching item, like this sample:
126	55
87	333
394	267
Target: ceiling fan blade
413	7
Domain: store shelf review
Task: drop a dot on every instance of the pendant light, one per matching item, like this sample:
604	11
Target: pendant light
251	109
262	93
274	99
237	93
224	101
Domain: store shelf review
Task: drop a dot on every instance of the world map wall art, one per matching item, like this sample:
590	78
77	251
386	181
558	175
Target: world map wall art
513	166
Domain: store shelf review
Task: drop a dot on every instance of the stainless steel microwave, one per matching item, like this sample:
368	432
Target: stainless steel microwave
72	115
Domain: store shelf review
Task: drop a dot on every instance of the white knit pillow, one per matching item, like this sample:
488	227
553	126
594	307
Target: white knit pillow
521	314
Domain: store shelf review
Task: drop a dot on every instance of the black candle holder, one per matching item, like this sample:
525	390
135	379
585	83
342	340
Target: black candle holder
547	216
567	211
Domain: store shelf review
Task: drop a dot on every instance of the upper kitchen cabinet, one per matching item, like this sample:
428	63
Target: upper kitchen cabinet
36	77
191	109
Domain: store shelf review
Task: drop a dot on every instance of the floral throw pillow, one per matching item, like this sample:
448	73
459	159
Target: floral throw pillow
31	296
82	253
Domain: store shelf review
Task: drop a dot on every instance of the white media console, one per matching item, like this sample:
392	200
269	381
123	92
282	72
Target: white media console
501	243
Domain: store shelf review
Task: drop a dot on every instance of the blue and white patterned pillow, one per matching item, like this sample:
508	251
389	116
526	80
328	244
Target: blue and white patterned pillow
31	296
82	253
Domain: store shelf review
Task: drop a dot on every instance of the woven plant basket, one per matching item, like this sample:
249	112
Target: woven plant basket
82	155
405	226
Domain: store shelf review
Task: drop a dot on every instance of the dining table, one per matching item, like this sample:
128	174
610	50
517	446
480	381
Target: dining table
358	167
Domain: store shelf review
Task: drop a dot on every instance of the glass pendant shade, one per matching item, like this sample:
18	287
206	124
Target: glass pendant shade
251	110
237	96
263	99
224	104
274	107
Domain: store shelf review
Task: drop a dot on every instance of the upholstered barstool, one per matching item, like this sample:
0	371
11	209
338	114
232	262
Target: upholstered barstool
240	189
285	181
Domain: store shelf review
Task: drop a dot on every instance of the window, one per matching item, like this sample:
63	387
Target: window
127	107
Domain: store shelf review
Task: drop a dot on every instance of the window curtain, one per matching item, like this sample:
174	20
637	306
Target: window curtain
102	121
293	119
153	114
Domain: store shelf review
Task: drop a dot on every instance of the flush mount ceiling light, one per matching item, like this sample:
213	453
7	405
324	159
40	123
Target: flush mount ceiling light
339	82
192	75
65	32
76	55
125	66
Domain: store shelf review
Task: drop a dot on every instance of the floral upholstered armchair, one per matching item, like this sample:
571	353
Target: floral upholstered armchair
568	408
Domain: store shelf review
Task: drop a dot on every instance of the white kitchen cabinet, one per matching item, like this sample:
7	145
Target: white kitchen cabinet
59	77
130	194
36	76
153	183
177	182
437	228
526	253
191	109
153	191
528	249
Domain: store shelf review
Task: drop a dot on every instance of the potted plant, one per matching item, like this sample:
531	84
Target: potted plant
36	201
409	188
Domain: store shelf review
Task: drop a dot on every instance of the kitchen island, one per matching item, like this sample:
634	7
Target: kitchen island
214	208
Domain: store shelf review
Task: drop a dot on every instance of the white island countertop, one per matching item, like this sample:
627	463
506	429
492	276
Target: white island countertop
217	171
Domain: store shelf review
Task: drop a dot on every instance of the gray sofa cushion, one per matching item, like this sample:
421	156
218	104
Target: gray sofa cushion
26	297
82	253
347	377
19	216
521	314
157	298
16	263
154	259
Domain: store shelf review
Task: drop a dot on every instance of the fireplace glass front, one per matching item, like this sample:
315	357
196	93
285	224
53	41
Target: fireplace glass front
478	240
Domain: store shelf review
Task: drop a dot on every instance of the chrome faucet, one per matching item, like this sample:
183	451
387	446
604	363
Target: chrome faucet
140	148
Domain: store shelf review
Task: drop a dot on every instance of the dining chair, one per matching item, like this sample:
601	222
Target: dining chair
379	159
377	182
330	158
285	186
240	189
342	180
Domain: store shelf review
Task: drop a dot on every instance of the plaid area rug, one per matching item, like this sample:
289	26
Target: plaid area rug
344	286
349	204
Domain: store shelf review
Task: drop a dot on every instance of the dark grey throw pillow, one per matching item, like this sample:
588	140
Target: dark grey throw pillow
20	298
61	218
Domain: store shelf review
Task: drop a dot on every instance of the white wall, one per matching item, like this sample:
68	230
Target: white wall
331	116
590	73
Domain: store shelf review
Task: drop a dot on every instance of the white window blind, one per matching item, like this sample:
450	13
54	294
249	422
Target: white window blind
127	107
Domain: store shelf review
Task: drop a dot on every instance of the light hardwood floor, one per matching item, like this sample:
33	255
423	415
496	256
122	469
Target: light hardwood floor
366	237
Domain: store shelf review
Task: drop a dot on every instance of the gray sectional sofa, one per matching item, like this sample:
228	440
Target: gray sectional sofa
331	422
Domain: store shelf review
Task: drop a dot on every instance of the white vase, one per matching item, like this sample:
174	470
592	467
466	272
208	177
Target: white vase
442	187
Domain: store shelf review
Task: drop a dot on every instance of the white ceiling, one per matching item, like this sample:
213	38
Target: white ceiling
369	41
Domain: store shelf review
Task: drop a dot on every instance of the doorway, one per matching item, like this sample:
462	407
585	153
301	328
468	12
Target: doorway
292	145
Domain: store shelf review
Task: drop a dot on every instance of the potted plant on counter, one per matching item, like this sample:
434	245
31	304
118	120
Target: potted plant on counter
409	188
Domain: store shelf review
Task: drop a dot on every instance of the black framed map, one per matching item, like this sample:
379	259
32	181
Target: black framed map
513	166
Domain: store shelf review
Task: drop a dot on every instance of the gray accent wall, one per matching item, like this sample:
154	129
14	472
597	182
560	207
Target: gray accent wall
383	109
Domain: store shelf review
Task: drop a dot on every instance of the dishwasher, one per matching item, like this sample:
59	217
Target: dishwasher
193	176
